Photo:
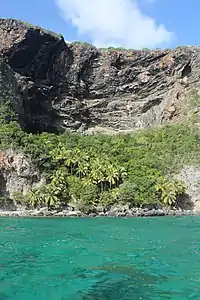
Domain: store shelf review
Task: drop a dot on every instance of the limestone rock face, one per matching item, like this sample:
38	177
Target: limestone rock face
17	174
79	87
191	177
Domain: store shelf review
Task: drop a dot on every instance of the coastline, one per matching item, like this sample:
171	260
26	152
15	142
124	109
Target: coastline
136	212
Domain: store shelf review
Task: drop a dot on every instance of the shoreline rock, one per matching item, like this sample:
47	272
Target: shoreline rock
136	212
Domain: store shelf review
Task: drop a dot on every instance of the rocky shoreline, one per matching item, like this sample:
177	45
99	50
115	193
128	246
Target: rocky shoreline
134	212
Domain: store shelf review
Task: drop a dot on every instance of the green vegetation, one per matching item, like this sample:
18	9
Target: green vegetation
81	43
102	170
6	114
192	108
7	109
42	29
116	49
88	171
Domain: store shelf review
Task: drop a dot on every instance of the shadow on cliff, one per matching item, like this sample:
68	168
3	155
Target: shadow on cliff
185	202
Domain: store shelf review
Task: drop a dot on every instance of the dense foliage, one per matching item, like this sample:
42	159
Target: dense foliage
101	170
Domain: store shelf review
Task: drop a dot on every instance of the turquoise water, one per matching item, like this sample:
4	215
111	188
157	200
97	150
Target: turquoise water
100	259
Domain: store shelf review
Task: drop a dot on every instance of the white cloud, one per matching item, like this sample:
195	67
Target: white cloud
114	23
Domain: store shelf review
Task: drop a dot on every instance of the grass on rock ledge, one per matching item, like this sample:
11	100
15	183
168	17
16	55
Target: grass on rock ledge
88	171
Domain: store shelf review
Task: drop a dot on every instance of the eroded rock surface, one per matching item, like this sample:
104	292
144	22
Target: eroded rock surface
191	177
79	87
17	174
9	91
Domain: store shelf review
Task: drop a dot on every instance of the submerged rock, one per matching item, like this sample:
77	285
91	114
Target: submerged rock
117	282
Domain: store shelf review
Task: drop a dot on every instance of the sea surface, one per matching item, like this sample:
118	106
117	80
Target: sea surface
100	259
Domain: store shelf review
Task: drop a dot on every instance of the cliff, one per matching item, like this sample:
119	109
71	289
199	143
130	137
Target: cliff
48	86
17	176
79	87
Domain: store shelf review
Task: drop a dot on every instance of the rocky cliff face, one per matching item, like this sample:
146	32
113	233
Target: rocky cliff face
79	87
9	89
17	175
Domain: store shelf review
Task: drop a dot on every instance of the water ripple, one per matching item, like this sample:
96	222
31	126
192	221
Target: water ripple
100	259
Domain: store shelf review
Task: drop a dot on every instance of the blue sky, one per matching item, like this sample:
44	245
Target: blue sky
126	23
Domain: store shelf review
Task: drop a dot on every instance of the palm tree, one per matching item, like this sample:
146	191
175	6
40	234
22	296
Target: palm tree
83	165
52	196
68	159
169	190
112	175
59	177
35	198
83	168
122	174
87	181
59	153
98	173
